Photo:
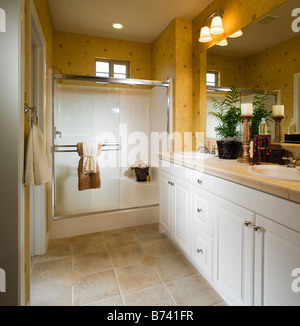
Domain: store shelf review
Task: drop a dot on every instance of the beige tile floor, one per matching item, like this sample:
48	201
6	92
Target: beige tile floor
135	266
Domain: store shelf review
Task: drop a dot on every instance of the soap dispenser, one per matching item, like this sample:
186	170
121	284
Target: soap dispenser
263	127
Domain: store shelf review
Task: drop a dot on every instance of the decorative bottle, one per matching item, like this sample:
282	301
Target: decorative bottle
263	127
292	128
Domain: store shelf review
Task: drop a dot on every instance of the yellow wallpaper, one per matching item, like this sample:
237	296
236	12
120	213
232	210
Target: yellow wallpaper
163	54
172	59
76	54
184	84
274	69
237	14
232	70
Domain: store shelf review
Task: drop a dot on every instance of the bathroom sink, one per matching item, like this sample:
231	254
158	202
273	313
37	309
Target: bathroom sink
193	155
276	172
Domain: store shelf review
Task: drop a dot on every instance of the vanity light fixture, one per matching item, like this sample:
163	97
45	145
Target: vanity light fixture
205	35
215	29
237	34
118	26
223	43
217	26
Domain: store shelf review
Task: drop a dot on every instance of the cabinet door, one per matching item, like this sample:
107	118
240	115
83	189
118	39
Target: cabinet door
233	252
181	214
277	264
165	205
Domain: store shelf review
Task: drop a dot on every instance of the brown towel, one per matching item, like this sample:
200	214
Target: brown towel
90	181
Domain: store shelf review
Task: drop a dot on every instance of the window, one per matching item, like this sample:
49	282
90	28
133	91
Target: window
212	78
112	68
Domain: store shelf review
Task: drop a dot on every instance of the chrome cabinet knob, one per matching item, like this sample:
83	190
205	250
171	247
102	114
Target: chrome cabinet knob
200	182
199	210
256	228
200	251
246	223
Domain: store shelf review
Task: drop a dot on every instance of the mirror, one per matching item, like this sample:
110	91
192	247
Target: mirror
266	57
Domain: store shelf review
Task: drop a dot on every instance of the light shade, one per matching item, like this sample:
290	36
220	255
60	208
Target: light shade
205	35
223	43
217	26
237	34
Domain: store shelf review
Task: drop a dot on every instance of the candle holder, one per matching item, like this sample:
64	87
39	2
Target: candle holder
278	132
246	139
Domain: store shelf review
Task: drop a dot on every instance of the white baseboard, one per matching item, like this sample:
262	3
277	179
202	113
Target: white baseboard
70	227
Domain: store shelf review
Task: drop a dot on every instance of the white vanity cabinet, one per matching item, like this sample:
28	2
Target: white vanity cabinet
277	257
245	242
202	224
175	209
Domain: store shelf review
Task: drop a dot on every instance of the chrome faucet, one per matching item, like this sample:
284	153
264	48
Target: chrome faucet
203	150
292	162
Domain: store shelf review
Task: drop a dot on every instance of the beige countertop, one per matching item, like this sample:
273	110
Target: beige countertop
238	172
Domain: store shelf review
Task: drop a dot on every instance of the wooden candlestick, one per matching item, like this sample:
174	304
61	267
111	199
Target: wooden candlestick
278	133
246	139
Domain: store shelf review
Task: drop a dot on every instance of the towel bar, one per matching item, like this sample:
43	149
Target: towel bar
55	147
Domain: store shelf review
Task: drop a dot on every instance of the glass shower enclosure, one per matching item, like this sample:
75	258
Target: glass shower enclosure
119	114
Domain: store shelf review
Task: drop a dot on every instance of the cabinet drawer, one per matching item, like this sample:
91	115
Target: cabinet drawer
202	180
202	252
202	212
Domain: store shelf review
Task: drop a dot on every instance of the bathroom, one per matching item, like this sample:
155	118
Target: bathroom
136	234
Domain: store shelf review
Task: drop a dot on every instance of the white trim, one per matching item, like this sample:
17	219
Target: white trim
297	101
71	227
21	204
38	238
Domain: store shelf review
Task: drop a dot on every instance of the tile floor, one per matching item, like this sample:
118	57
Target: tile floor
135	266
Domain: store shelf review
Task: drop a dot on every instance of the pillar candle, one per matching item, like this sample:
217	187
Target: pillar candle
247	109
278	110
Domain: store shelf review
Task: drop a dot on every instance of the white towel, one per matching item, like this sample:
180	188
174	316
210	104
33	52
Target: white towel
138	164
37	170
90	154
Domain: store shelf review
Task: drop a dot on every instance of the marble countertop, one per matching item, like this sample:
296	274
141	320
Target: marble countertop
239	173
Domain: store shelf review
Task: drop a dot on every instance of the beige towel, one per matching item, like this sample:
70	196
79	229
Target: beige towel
89	154
88	181
37	170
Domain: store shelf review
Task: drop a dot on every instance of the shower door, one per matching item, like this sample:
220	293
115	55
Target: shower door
85	112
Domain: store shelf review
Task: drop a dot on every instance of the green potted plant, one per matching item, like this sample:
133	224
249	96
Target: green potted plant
260	111
229	116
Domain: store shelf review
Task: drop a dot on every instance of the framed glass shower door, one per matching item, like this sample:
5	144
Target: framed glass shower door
85	112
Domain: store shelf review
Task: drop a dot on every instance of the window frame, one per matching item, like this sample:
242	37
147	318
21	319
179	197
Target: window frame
217	75
112	63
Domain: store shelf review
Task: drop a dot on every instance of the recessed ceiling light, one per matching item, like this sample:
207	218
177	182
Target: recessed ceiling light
117	26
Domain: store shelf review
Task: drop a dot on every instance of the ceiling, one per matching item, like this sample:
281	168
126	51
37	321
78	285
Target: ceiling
143	20
272	29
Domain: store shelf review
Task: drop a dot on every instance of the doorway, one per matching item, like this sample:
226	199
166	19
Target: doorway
37	95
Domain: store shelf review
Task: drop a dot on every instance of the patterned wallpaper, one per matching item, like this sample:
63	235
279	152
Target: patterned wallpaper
232	70
75	54
172	59
274	69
